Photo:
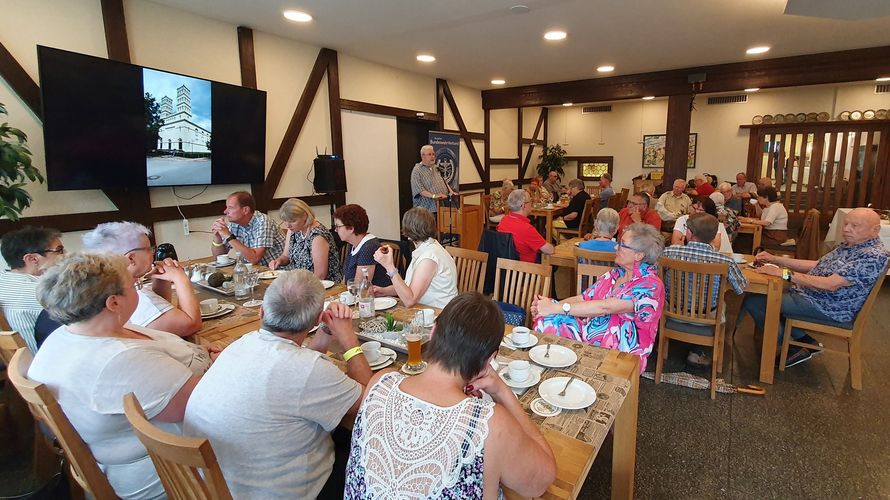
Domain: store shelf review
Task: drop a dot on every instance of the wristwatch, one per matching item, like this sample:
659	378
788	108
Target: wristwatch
230	238
566	307
787	274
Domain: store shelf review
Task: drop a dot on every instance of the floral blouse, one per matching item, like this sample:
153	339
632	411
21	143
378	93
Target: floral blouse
632	332
301	252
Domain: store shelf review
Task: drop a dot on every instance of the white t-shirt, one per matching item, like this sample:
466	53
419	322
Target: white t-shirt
443	287
89	377
776	215
151	306
268	406
725	244
18	297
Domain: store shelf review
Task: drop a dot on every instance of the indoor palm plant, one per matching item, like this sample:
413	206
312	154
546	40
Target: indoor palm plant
552	158
15	170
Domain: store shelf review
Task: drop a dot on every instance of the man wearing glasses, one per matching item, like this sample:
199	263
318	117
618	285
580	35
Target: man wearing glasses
527	240
28	252
637	210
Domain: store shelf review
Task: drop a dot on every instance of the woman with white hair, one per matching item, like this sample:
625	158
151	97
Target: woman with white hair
498	206
602	239
154	309
97	357
309	244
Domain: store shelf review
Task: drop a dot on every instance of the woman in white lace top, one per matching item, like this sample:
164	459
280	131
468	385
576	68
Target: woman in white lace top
431	436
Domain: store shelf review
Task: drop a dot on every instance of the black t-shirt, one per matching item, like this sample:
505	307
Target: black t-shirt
576	205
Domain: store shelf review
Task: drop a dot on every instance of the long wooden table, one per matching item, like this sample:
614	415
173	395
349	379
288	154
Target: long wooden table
547	214
753	229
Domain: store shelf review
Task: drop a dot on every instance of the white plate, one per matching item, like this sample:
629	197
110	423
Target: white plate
532	340
385	354
390	360
218	264
738	258
578	395
534	376
560	357
327	283
223	310
383	303
269	275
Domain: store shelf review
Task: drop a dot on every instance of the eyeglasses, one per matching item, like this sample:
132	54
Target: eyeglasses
59	250
621	244
147	249
338	226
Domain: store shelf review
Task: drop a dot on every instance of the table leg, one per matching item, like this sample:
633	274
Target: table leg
758	231
549	226
770	331
624	444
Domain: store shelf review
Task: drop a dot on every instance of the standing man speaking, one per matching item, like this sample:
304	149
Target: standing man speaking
427	185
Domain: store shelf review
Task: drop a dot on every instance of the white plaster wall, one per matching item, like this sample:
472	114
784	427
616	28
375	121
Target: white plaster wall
369	82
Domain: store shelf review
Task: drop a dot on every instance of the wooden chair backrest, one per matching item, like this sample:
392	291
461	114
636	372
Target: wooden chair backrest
10	342
591	208
471	266
689	287
810	238
865	312
618	201
486	203
584	256
44	406
187	466
588	274
4	325
521	282
594	191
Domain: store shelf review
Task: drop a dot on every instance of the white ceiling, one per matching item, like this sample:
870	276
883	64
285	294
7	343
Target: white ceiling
475	41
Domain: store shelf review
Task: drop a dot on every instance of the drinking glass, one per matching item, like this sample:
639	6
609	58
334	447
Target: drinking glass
414	340
253	279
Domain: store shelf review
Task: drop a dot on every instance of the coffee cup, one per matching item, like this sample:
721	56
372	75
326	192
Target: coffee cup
371	350
519	370
222	259
550	205
209	306
520	335
346	298
428	317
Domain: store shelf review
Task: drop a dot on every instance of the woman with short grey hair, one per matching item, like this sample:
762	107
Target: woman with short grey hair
497	208
621	310
604	228
96	358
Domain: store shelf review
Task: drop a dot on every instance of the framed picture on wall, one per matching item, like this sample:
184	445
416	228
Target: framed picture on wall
591	168
653	150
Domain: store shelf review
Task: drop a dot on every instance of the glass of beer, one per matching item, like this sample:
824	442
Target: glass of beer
414	340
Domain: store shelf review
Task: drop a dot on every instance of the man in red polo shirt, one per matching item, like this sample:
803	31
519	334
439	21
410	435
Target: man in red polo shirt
525	237
637	210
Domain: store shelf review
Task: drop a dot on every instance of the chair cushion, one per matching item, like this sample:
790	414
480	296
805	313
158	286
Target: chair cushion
513	314
680	326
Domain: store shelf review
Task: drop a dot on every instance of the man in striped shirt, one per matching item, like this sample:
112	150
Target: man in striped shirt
28	252
427	185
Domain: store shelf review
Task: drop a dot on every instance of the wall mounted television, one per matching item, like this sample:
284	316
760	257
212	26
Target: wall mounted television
108	124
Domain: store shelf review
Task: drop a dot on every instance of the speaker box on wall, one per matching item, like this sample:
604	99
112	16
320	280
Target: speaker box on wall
330	174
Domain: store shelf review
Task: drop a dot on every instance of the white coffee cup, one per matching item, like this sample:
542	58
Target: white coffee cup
429	316
346	298
520	335
222	259
550	205
519	370
371	350
209	306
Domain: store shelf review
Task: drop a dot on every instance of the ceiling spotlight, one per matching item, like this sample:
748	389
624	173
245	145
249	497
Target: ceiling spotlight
498	81
566	104
757	50
297	16
649	98
555	35
426	58
519	9
752	89
605	69
883	79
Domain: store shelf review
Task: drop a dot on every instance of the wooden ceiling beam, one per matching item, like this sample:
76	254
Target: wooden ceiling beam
20	81
116	41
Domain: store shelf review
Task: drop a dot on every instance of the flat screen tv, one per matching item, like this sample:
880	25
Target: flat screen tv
108	124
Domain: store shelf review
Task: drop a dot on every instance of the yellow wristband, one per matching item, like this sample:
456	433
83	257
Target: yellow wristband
355	351
216	244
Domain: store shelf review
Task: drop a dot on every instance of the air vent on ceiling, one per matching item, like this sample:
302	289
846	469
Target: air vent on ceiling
728	99
596	109
882	88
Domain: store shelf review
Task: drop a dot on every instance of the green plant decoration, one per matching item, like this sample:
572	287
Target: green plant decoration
552	158
16	170
391	324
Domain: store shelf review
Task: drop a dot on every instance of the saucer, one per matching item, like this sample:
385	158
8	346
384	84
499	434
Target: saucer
414	371
532	340
223	310
534	376
560	357
219	264
544	409
383	303
386	354
327	283
738	258
390	360
578	395
269	275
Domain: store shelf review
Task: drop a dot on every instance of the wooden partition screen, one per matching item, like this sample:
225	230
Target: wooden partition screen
826	165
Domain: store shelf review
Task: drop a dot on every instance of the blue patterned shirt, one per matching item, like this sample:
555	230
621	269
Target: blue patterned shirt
861	265
696	251
260	232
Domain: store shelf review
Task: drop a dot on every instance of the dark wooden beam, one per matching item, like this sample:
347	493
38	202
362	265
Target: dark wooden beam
519	141
462	127
830	67
486	144
334	103
676	144
379	109
476	136
115	30
503	161
19	80
440	103
246	57
533	142
839	126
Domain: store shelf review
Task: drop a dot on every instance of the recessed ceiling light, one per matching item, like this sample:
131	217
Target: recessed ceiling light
566	104
649	98
757	50
425	58
752	89
519	9
498	81
605	69
297	16
883	79
555	35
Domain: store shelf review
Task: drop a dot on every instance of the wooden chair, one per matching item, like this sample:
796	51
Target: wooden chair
850	333
591	207
618	201
471	266
689	290
584	256
594	191
810	237
518	282
44	406
591	264
187	466
587	275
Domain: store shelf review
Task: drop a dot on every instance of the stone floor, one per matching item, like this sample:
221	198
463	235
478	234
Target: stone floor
811	436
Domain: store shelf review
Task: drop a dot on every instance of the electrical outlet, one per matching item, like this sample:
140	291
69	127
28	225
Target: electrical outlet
185	227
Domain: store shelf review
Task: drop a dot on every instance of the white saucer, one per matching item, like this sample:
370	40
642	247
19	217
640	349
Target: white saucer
738	258
560	356
534	376
386	354
218	264
414	371
269	275
578	395
532	340
224	309
390	360
352	302
383	303
544	409
327	283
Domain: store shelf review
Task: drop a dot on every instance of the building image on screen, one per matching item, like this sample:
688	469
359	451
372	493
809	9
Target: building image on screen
178	129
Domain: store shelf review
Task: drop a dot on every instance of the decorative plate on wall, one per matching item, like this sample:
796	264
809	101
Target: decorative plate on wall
881	114
844	116
856	115
800	117
767	118
757	120
789	117
869	114
779	118
823	116
811	117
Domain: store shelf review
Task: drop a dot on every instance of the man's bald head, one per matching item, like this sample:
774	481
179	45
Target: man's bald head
861	225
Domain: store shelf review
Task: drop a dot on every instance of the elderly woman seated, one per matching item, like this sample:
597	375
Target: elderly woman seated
602	239
498	206
702	204
431	436
309	245
774	217
351	223
621	310
96	358
431	278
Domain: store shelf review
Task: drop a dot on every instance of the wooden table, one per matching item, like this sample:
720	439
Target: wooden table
754	229
547	214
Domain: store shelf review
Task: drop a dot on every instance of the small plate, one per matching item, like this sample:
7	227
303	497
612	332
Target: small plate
386	354
789	117
844	116
811	117
414	371
869	114
327	283
856	115
757	120
779	119
390	360
800	117
767	119
534	376
269	275
544	409
218	264
384	303
532	340
578	395
560	356
224	309
823	116
881	114
738	258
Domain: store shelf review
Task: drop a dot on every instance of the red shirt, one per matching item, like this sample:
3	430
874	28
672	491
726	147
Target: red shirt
649	217
525	237
705	189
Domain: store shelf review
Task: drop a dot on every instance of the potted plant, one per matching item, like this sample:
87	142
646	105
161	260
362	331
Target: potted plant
552	158
15	170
